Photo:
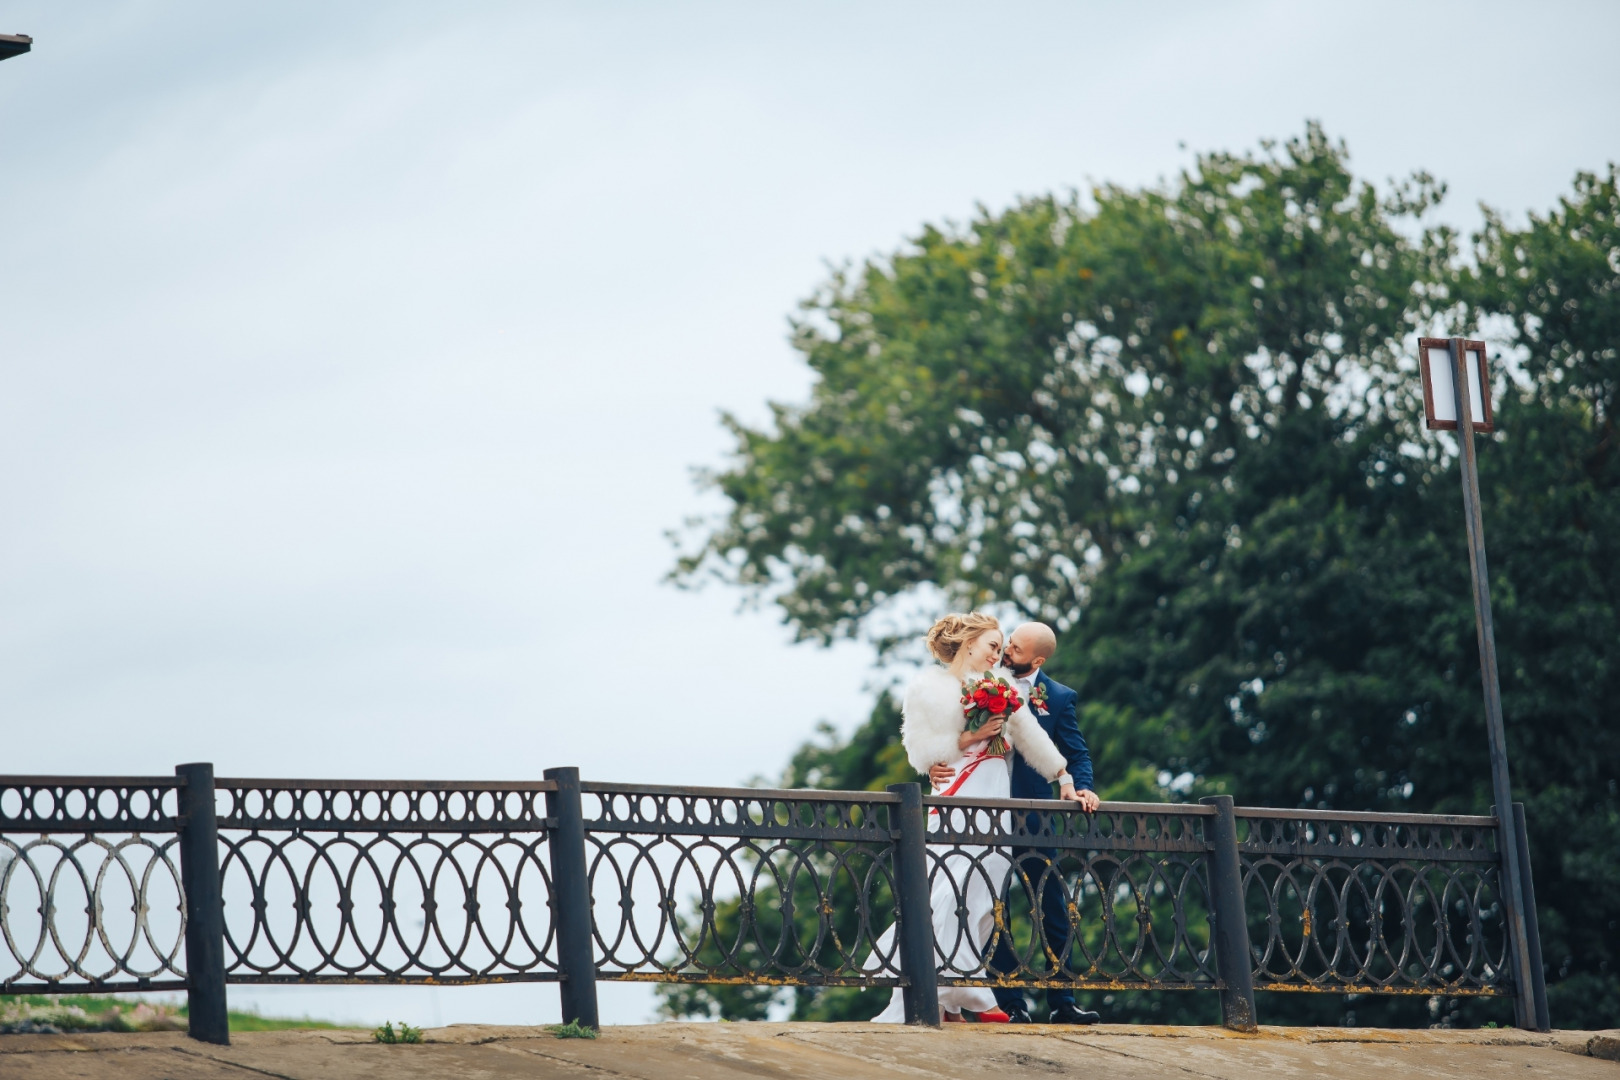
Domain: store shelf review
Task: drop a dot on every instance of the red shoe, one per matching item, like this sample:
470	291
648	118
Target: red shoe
952	1018
994	1016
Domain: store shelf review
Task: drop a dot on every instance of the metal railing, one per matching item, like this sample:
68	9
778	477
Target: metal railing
187	882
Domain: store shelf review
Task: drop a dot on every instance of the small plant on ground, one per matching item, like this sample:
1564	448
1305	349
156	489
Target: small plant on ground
572	1030
405	1034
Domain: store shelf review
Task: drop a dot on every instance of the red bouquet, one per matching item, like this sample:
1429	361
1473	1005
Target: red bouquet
987	698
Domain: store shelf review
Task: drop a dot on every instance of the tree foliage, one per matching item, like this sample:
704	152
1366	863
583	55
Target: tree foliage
1008	408
1182	424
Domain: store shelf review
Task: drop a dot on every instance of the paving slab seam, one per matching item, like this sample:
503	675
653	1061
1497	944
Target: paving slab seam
892	1066
1062	1035
1075	1040
190	1053
530	1051
801	1039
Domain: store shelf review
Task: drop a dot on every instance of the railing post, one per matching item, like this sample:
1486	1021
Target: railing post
208	1018
1537	976
1230	933
916	931
571	900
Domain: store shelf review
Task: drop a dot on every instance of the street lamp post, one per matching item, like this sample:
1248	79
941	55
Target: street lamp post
14	45
1465	407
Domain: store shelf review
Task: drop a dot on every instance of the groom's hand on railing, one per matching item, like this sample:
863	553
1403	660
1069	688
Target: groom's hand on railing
941	775
1085	797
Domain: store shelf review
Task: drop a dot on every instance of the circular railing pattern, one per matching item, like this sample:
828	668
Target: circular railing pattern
90	912
1131	885
1375	927
85	804
714	886
381	806
307	907
398	882
386	881
1373	903
824	815
1379	836
742	902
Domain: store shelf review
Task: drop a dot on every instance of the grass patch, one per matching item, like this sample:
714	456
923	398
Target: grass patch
57	1014
572	1030
252	1021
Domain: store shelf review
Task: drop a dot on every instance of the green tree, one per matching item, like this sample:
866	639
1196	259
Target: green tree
1182	425
1007	409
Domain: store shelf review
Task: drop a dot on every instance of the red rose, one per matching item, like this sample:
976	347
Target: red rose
998	705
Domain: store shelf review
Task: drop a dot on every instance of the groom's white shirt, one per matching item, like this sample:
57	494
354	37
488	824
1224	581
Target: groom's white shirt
1026	683
1026	687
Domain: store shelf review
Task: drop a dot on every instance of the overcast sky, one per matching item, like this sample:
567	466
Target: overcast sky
354	357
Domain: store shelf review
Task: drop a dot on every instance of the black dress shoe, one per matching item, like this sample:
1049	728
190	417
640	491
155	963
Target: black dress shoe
1018	1015
1071	1014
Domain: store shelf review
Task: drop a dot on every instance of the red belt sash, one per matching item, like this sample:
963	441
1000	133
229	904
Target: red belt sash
974	760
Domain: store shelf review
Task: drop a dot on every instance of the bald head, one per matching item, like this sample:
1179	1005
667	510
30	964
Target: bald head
1029	646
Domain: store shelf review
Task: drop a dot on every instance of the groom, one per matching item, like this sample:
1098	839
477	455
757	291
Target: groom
1028	647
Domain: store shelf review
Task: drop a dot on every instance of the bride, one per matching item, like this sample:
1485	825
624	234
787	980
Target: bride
934	730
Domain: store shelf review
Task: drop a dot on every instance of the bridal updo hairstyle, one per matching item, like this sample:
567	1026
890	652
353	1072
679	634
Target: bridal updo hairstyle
947	636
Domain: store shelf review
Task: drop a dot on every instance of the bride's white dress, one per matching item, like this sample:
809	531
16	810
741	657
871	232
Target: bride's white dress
966	877
981	871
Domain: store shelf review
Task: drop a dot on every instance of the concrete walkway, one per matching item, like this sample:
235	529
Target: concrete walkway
839	1051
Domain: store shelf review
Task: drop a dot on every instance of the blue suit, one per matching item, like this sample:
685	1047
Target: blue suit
1061	723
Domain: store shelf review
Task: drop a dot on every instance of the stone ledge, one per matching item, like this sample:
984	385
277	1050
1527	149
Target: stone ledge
842	1051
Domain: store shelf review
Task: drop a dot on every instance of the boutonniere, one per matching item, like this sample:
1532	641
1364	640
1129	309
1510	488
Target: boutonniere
1037	698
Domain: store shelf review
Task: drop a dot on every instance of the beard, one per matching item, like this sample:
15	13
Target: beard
1019	670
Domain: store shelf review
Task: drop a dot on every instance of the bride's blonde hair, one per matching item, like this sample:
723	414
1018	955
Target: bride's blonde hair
947	636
